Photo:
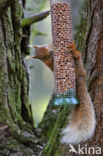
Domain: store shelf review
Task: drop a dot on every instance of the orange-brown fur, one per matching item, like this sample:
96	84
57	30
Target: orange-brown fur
45	54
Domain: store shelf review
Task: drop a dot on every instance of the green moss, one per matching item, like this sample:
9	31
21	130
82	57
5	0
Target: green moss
16	148
54	139
36	18
47	125
13	144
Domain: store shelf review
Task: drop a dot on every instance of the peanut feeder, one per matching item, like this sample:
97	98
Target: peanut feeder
64	69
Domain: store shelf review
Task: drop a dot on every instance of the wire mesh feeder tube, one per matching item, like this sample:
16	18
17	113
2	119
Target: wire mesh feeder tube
64	70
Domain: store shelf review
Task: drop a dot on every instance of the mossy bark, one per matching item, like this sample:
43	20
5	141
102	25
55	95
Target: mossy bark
16	131
33	19
89	37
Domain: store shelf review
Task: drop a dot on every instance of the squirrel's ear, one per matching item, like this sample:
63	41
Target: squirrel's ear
35	46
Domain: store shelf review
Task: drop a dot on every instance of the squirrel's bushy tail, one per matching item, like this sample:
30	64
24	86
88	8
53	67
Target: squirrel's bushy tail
81	126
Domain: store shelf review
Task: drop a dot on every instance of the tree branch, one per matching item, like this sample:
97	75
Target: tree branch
4	4
38	17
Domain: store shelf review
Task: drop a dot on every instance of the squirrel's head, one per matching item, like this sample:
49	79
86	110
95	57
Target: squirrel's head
40	51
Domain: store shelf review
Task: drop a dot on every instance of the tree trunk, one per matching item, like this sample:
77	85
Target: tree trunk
89	38
16	134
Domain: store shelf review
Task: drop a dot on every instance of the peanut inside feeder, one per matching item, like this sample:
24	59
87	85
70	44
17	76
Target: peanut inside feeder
64	69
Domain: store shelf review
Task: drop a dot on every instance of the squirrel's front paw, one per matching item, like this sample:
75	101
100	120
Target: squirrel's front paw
72	46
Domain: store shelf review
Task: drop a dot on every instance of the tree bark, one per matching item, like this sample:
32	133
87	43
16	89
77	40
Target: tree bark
4	4
89	38
16	132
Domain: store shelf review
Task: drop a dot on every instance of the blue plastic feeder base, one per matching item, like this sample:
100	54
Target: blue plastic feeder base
66	98
65	101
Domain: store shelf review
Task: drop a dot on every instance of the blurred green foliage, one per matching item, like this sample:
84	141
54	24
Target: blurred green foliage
34	6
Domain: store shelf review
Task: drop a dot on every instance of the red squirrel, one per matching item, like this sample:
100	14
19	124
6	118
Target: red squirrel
45	54
82	122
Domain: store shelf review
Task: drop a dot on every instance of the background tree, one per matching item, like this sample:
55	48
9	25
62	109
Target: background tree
89	38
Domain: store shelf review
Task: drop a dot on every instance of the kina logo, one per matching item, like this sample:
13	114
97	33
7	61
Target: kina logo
85	150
